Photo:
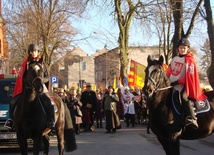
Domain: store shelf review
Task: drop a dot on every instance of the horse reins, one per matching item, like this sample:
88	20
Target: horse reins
155	85
31	84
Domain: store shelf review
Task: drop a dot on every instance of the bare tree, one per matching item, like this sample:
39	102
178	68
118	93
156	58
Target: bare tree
124	11
163	27
206	56
210	27
178	12
44	22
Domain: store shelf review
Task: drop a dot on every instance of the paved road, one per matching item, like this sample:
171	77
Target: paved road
128	141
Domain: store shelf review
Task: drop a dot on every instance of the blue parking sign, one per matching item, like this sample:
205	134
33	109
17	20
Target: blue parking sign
54	80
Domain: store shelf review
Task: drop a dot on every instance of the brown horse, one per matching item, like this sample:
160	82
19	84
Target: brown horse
164	121
30	117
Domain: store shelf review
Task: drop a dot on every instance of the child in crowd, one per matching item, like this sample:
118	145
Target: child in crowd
129	111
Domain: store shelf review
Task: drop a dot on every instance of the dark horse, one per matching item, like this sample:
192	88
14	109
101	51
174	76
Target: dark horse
30	117
164	121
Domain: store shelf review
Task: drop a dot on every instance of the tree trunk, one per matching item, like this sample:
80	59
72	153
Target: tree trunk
210	28
177	6
124	21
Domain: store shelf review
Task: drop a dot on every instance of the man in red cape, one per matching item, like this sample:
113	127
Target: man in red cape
34	55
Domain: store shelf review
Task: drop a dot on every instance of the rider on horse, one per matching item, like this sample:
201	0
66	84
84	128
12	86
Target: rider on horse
184	78
34	55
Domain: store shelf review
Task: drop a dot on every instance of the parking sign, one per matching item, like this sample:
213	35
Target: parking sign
54	80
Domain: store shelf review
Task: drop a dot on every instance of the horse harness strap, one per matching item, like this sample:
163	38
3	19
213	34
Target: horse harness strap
42	105
164	88
158	89
31	84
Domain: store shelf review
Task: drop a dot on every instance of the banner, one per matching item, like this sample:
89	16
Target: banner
165	66
136	74
101	87
115	82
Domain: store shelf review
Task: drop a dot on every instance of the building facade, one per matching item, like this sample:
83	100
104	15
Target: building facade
74	69
107	63
101	69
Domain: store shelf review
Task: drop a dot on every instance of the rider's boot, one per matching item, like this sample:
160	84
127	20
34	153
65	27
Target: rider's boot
49	109
191	119
10	123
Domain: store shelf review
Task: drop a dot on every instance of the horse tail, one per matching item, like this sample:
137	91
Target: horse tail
69	134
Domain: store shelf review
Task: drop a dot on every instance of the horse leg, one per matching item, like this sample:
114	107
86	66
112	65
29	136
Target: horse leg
36	145
148	127
60	138
22	144
46	144
171	147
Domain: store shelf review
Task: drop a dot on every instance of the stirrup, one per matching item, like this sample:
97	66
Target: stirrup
46	131
189	121
50	123
9	124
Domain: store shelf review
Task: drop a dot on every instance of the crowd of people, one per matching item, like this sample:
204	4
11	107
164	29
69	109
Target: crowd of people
104	108
86	107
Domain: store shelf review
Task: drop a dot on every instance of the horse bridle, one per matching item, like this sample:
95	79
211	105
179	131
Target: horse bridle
156	88
155	84
31	83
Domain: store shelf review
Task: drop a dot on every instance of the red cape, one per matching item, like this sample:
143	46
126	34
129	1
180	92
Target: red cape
192	84
19	83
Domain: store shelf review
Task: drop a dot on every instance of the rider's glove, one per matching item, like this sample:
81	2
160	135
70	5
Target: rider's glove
174	83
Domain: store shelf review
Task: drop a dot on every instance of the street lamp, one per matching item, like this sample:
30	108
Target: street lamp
105	46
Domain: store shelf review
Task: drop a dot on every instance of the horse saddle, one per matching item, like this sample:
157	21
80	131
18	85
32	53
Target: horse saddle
200	106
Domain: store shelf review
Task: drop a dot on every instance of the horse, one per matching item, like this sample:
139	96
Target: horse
165	122
30	116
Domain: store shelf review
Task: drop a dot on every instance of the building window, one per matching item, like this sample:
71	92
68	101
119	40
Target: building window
84	65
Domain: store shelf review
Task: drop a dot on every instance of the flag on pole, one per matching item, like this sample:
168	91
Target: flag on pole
115	82
165	66
136	74
101	87
126	81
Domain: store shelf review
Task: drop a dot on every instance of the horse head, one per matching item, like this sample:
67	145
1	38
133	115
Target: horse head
34	76
155	77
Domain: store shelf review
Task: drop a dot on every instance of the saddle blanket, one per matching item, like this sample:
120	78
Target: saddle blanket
201	106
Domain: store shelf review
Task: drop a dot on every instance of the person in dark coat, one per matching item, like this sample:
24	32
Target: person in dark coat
120	105
99	114
89	101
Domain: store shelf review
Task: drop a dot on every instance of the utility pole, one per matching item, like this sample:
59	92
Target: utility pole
80	81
